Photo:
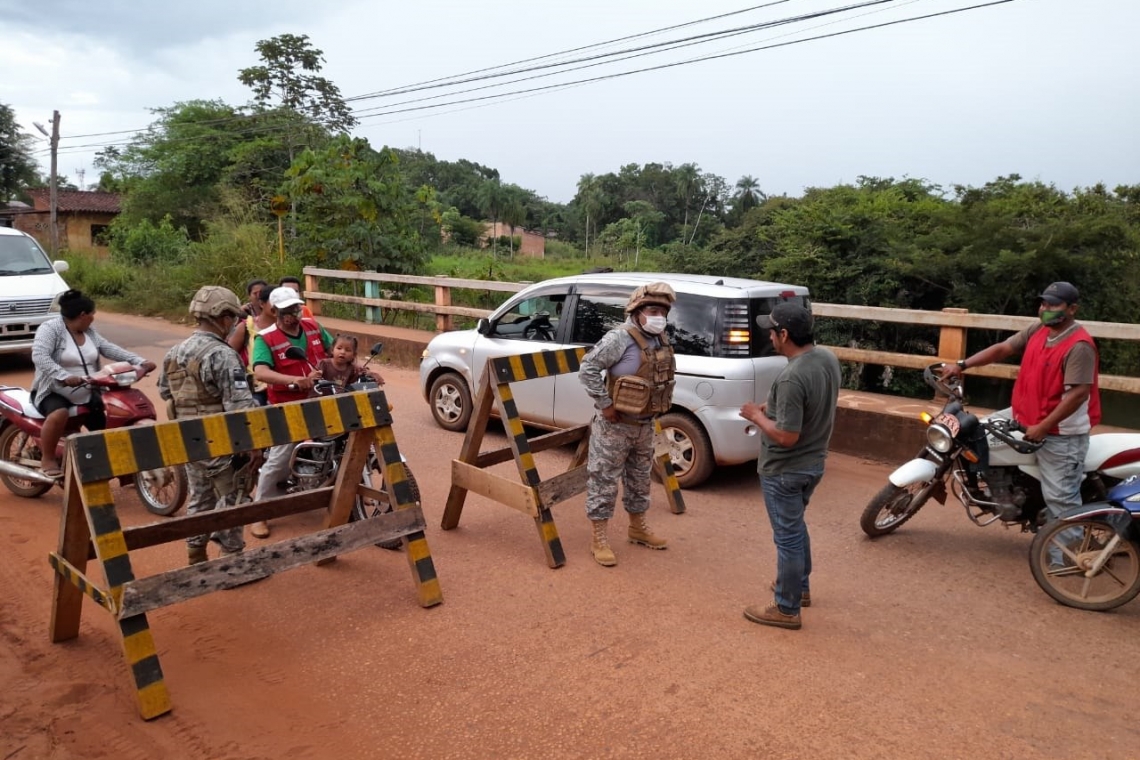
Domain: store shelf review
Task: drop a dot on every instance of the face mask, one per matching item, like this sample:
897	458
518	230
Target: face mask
654	325
1051	317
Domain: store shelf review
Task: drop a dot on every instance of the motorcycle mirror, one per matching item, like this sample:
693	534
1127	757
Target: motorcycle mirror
377	347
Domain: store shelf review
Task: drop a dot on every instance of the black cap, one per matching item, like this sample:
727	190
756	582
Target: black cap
1061	291
787	316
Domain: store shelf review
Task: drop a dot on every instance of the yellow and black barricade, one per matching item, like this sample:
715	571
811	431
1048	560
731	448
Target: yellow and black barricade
533	495
90	527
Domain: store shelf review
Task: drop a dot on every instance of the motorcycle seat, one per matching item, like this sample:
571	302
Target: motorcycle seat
20	400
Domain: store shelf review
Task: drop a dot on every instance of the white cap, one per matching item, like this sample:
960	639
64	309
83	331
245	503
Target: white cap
283	298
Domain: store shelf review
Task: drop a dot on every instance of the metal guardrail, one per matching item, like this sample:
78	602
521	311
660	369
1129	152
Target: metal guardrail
953	323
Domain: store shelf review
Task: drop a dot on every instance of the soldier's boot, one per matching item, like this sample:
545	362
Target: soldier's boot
639	532
196	554
600	544
229	552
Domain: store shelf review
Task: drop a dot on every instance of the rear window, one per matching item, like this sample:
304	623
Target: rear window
759	343
698	325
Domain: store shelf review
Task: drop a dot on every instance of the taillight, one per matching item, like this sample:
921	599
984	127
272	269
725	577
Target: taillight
736	337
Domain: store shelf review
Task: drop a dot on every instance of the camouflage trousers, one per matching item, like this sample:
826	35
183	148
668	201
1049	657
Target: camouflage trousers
213	484
618	450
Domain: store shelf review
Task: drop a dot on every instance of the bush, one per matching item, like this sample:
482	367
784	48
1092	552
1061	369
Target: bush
96	277
146	242
556	249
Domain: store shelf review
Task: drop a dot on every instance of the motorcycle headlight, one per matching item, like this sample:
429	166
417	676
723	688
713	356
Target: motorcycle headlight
939	438
126	378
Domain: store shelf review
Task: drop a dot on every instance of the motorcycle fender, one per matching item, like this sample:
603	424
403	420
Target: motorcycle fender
914	471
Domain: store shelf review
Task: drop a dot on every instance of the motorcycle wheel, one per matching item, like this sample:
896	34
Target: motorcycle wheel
893	506
1117	583
163	491
363	508
13	443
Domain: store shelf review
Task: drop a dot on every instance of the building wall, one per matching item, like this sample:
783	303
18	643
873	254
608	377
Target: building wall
530	243
74	229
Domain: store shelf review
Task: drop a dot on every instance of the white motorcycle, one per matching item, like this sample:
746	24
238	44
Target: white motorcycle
989	467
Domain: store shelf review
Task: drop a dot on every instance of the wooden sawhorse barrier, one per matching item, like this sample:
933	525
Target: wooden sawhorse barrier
90	527
533	496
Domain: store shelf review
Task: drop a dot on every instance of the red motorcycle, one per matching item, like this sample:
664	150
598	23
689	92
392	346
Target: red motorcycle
163	491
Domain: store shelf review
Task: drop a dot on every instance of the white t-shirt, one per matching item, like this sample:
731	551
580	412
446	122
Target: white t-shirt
72	360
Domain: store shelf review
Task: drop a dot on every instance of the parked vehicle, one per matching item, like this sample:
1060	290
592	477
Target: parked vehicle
30	287
989	467
315	463
1089	557
163	491
723	359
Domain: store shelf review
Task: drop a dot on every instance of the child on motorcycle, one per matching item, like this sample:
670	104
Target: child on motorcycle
341	368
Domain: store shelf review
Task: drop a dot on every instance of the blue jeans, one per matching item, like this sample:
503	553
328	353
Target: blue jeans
786	496
1061	461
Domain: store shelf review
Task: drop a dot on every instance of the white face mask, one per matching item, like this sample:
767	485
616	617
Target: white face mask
654	325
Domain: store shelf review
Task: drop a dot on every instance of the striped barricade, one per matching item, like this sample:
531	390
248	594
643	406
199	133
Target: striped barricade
531	494
91	527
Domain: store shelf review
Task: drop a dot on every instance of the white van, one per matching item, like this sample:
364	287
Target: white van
30	287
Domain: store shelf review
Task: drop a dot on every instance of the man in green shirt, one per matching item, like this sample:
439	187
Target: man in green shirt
287	379
795	426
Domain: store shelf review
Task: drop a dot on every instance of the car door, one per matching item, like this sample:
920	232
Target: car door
530	322
594	311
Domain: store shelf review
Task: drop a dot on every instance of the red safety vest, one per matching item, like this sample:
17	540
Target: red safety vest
278	343
1041	380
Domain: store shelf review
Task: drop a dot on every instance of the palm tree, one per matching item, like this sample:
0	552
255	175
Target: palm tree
748	193
490	200
687	178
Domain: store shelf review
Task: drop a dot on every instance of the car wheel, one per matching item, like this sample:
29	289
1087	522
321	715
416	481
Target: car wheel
689	449
450	402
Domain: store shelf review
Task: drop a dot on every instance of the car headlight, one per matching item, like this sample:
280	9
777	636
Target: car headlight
939	438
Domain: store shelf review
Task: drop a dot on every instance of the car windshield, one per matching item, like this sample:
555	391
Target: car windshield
21	255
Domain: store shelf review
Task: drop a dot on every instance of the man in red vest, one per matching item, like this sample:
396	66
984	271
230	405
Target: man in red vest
1056	395
286	379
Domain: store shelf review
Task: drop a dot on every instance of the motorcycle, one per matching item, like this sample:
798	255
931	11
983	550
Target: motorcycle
163	491
1089	557
989	467
315	463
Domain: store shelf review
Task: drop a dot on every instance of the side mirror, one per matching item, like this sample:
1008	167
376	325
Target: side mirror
60	266
483	326
377	347
295	353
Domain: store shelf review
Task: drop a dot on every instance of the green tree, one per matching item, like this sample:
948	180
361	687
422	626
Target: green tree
17	167
354	209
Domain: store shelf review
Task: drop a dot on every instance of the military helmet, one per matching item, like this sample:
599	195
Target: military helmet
214	301
655	293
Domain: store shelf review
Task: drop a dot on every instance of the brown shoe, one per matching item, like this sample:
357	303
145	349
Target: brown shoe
259	529
805	600
196	554
771	615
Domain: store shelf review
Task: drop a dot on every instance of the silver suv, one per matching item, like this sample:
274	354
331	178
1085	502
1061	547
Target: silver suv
723	358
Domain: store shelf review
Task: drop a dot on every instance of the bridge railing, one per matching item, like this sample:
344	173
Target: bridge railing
953	324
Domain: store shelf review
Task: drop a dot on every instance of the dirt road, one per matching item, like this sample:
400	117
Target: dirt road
934	642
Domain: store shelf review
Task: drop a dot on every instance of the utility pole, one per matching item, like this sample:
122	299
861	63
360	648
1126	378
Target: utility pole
53	197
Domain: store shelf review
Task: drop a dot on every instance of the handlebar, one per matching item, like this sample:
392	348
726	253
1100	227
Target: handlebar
1002	429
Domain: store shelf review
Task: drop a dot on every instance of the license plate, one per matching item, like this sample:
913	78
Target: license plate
950	422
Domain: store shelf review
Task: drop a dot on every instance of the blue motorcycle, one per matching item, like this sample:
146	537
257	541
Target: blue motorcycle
1089	557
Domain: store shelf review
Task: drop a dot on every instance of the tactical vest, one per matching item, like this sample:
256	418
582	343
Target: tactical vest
278	343
649	391
190	397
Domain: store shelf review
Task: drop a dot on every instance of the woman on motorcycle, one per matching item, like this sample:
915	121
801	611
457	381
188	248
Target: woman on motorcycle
67	350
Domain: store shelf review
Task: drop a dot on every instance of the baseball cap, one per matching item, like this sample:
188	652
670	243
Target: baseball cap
1060	292
283	298
787	316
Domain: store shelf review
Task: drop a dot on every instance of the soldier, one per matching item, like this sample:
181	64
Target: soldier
203	375
637	386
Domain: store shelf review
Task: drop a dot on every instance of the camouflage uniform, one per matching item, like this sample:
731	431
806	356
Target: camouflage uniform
617	449
220	386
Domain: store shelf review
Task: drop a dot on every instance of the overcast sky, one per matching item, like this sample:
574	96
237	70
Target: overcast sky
1043	88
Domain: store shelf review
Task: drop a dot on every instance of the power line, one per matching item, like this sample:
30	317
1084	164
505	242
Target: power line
563	85
492	68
